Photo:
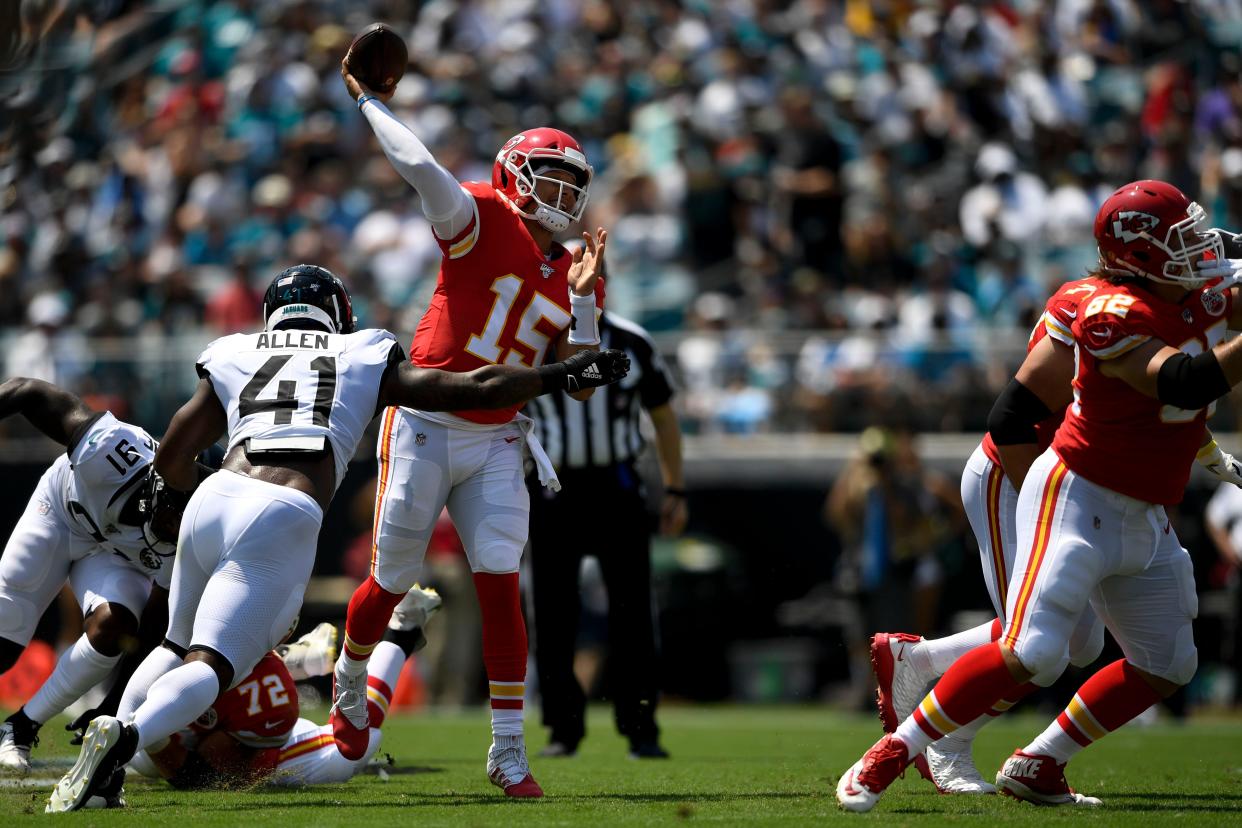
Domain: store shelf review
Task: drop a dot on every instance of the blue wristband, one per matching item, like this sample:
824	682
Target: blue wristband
363	98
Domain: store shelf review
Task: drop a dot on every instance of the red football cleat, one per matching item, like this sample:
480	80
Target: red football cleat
899	686
1038	779
860	787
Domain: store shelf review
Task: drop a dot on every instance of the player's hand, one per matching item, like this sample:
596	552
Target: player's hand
78	726
1228	270
1220	463
588	263
673	515
357	87
591	369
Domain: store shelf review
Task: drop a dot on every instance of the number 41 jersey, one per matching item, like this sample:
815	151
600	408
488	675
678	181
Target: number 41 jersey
292	390
1115	436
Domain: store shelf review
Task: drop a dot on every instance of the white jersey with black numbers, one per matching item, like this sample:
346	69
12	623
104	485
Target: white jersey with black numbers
105	465
289	391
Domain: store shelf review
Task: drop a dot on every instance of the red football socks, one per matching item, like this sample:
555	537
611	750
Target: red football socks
1109	699
370	609
504	648
968	690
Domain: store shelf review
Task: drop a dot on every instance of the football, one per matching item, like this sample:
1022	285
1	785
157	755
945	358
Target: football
377	57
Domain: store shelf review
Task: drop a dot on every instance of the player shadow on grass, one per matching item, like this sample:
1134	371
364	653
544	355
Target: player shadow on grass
323	795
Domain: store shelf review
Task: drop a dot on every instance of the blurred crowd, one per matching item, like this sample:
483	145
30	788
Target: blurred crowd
839	210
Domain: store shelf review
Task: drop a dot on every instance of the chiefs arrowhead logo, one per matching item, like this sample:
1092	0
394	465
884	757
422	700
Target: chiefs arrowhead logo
1131	225
1213	302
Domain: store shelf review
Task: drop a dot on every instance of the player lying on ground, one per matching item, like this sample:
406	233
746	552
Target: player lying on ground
99	519
1092	526
294	401
254	734
1022	426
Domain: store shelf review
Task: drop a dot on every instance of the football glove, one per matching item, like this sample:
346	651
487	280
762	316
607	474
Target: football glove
1229	271
78	726
1220	463
585	369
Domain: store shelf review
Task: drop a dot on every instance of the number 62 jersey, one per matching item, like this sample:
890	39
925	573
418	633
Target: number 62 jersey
300	391
1115	436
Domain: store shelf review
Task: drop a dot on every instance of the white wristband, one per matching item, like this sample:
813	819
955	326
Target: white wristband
584	329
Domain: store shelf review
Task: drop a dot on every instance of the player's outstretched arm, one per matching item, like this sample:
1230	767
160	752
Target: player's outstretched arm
52	410
1041	386
444	203
498	386
1176	378
193	429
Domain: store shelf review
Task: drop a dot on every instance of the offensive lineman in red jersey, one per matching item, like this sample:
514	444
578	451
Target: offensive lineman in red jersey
1020	429
1091	518
506	290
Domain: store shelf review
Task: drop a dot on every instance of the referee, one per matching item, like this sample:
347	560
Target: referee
601	510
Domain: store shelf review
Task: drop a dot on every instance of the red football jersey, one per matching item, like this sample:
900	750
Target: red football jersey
1115	436
498	299
259	712
1056	321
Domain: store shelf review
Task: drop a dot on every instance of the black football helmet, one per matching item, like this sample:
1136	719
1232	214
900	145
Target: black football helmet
308	292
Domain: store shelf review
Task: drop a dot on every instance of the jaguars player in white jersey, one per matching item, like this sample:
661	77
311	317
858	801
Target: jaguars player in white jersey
294	401
90	522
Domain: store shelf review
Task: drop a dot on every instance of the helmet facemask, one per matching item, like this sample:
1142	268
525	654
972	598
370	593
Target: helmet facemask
534	167
1187	242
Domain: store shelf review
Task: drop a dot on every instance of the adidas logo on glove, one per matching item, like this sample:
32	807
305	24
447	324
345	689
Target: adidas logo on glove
591	372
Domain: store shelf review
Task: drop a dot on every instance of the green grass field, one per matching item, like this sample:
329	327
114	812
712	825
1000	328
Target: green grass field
730	765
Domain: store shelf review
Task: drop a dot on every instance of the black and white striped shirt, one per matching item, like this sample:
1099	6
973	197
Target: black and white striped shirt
605	430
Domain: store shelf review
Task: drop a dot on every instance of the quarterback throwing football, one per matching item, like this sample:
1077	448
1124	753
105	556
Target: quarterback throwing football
506	291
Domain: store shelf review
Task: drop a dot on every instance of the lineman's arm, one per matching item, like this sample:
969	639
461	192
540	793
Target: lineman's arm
218	761
54	411
1176	378
1042	385
448	207
193	429
498	386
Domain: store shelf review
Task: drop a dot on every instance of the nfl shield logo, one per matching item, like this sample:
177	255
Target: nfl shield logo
1188	317
420	439
44	507
546	269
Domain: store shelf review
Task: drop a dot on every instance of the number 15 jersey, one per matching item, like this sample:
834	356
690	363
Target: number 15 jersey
292	389
498	299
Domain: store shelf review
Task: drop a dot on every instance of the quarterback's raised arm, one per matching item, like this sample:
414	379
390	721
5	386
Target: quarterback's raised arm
445	204
193	429
499	386
54	411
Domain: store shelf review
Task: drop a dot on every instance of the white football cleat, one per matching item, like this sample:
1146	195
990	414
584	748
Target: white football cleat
107	745
311	655
508	769
953	768
1039	780
14	751
415	609
349	717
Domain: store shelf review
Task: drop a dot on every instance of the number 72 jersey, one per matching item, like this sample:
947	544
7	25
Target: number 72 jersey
293	390
1115	436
